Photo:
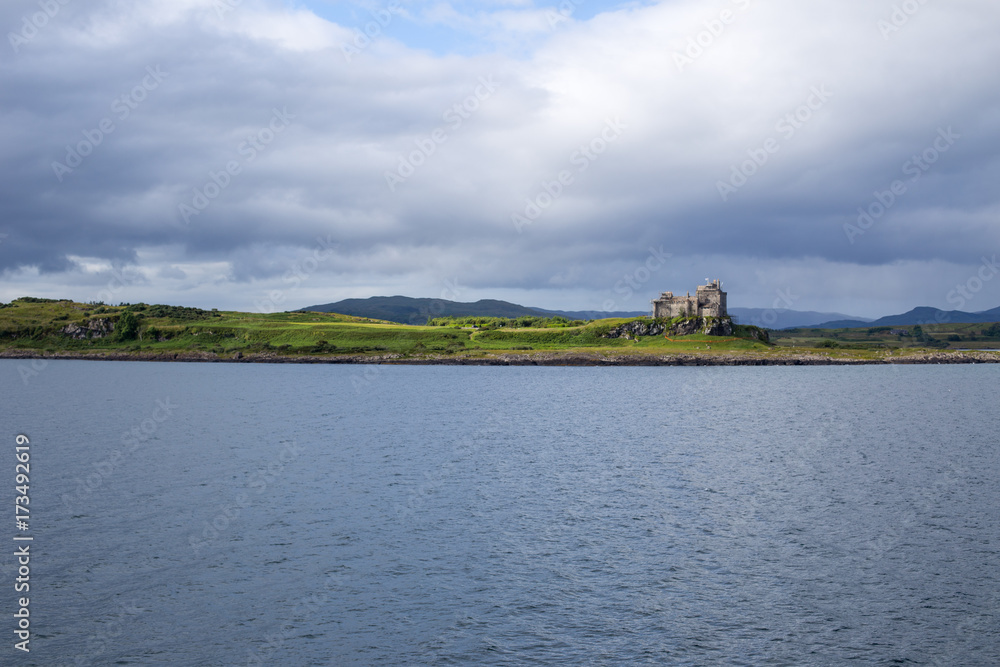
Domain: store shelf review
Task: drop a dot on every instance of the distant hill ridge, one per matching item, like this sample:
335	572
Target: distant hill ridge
771	318
408	310
921	315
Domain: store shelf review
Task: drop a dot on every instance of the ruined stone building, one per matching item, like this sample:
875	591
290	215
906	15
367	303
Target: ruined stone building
708	301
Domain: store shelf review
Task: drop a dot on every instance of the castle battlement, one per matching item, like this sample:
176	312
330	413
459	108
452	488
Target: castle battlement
708	301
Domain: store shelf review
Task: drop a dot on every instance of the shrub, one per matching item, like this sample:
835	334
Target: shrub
179	312
127	327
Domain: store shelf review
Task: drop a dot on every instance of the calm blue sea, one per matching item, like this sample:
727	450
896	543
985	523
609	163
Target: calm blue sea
222	514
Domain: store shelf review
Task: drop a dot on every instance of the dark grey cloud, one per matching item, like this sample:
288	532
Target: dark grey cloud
240	143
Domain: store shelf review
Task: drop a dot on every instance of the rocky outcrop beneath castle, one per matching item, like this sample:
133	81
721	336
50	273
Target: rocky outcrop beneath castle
638	328
96	328
710	326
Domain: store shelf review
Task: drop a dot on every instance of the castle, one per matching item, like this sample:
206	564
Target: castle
708	301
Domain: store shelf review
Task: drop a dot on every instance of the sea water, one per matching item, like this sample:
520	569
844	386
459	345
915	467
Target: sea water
239	514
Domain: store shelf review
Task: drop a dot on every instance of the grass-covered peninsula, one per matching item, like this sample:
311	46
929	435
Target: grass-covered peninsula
33	327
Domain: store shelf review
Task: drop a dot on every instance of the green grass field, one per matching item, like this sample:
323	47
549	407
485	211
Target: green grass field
934	336
41	326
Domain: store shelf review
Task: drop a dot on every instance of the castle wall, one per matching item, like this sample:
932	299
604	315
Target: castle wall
676	307
708	301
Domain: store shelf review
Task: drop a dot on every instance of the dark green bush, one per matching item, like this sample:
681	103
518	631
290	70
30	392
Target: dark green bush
127	327
179	312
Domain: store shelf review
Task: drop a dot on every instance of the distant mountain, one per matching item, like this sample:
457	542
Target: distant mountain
407	310
786	319
921	315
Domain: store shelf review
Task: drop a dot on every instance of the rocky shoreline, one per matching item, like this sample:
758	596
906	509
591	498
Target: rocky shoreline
574	358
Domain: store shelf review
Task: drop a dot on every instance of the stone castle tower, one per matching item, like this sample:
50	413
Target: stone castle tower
708	301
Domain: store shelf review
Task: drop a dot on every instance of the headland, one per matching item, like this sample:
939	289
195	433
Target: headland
32	328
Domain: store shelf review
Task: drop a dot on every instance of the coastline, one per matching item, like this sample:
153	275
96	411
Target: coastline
542	358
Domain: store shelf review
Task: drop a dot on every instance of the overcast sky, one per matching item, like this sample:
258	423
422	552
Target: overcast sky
261	154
